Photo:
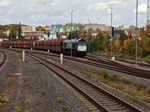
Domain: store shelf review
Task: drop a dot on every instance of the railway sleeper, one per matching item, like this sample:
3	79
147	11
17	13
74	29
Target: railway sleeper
112	104
107	101
118	110
115	107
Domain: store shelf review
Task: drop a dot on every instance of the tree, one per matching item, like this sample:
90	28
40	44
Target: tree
13	31
144	42
129	47
89	36
1	34
147	31
146	47
117	46
122	37
74	35
93	46
100	41
19	31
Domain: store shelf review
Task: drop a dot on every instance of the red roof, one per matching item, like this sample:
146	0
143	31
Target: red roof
135	31
31	35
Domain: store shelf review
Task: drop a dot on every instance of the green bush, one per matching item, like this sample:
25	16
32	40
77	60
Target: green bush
125	81
147	59
140	87
114	78
105	75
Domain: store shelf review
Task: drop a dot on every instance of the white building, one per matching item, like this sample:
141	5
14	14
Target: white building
94	27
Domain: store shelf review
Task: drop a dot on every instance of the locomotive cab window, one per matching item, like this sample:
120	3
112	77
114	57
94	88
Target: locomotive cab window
65	45
73	45
81	43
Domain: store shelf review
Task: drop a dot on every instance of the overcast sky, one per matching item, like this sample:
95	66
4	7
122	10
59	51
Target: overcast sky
47	12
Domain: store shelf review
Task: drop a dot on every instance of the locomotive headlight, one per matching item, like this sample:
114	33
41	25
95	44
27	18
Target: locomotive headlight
81	48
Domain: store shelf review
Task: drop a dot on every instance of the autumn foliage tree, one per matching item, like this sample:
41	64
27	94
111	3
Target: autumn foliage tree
146	42
117	46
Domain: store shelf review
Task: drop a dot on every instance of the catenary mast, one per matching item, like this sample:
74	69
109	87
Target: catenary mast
148	12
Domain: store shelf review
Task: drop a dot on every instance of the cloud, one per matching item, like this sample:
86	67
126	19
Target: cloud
58	11
116	18
117	3
105	6
41	3
142	9
4	3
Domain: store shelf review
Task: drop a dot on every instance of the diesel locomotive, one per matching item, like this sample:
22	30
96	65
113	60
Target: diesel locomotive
77	47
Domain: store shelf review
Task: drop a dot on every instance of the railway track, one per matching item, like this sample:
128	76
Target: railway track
127	60
104	63
5	57
121	68
108	61
102	99
141	63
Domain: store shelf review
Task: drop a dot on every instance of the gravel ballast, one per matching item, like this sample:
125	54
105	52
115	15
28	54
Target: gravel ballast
30	87
76	66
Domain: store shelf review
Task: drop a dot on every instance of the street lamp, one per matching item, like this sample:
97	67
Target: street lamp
71	29
89	33
136	30
111	36
89	23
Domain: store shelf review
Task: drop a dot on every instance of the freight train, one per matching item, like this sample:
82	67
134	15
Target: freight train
77	47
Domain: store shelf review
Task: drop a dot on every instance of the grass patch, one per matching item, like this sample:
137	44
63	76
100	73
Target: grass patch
59	99
55	111
125	81
148	91
114	78
140	88
4	100
119	82
104	75
147	59
18	109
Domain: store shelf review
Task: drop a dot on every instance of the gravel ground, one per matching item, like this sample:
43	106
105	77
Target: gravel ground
42	92
135	80
85	67
30	87
1	57
9	83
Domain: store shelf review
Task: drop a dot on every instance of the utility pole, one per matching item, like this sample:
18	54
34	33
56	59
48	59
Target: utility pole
71	29
75	31
111	36
89	35
11	31
148	12
89	24
136	30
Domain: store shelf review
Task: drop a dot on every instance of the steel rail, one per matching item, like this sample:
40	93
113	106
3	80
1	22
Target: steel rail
99	106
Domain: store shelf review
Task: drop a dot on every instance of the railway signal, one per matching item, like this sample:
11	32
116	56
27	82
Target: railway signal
113	32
